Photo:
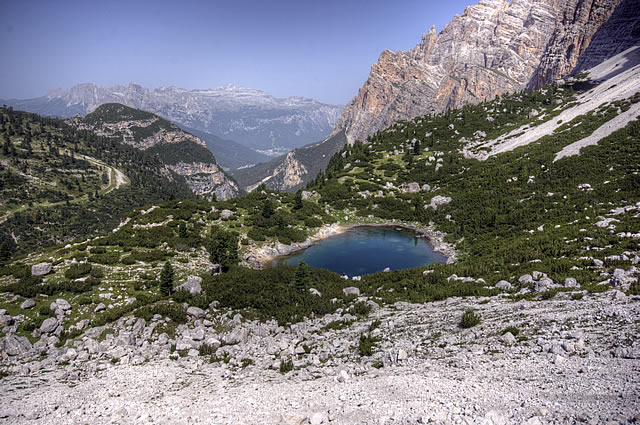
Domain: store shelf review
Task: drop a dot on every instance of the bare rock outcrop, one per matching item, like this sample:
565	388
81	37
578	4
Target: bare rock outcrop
619	33
575	27
494	47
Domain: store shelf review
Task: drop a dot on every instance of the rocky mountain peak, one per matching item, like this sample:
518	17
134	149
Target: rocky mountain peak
494	47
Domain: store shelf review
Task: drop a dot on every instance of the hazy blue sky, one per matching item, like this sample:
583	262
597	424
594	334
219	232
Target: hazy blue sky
322	49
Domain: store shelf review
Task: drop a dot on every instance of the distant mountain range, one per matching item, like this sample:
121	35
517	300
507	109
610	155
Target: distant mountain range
250	117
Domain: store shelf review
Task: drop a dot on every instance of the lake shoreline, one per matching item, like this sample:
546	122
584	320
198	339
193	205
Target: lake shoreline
265	255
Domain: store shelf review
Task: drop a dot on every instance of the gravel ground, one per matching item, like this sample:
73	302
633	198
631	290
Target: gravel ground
574	362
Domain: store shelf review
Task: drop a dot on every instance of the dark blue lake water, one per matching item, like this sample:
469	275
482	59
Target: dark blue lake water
364	250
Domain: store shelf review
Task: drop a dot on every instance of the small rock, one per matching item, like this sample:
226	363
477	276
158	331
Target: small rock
508	338
100	307
293	419
317	418
504	285
342	376
315	292
571	282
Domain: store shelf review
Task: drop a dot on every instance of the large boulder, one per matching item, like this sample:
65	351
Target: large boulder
41	269
196	312
351	290
49	325
192	286
63	304
15	345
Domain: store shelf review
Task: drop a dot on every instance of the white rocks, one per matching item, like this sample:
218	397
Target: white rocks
508	338
318	418
386	270
198	334
41	269
49	325
437	201
226	213
571	282
27	304
193	285
63	304
100	307
351	290
196	312
342	376
315	292
504	285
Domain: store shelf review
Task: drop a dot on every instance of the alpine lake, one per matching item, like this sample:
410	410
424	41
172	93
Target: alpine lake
366	249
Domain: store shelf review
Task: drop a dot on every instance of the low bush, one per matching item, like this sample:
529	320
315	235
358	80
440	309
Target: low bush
469	319
77	270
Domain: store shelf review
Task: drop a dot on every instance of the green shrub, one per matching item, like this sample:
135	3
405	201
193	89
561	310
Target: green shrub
206	350
77	270
469	319
514	331
286	366
366	345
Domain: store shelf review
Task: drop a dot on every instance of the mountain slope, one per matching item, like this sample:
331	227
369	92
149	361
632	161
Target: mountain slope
229	154
250	117
60	182
182	152
495	47
293	170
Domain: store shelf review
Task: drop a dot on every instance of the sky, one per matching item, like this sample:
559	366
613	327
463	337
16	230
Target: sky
319	49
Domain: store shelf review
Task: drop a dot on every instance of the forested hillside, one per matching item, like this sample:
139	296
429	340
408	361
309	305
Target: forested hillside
59	183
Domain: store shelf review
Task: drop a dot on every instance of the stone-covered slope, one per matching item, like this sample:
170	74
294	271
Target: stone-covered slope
182	152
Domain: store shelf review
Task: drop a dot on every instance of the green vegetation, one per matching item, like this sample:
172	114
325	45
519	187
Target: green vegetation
57	182
166	279
509	215
470	319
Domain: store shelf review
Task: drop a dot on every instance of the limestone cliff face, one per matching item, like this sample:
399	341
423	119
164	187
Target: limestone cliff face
206	179
619	33
574	29
494	47
141	134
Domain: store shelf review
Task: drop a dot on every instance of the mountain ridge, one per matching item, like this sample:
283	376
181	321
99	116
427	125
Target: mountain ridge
251	117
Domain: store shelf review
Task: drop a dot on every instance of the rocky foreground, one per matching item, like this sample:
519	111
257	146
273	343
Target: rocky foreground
566	360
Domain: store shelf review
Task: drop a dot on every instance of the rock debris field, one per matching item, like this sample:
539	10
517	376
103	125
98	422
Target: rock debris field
570	361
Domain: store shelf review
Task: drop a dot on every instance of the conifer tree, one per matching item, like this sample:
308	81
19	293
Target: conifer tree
166	279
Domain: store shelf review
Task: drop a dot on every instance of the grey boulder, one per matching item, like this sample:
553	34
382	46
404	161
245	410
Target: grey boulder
192	286
351	290
196	312
63	304
41	269
27	304
49	325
